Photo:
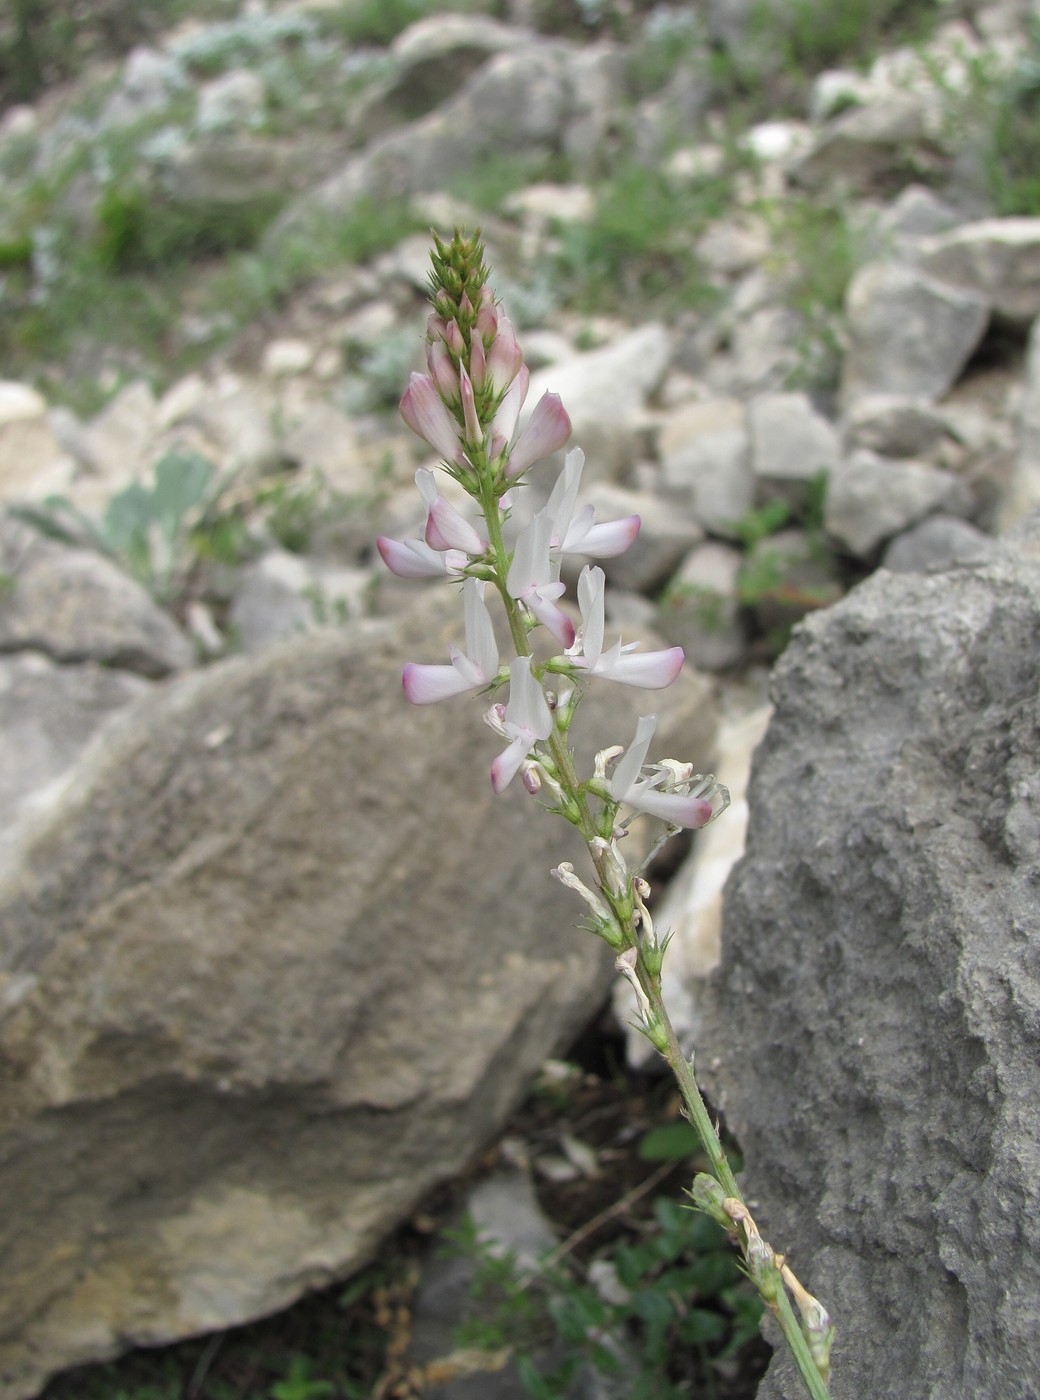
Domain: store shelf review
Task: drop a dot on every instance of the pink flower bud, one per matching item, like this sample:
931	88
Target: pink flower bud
487	321
477	362
423	409
503	425
454	341
469	409
504	359
442	371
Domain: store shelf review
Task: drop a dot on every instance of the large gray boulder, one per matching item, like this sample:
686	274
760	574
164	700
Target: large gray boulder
531	102
279	964
877	1015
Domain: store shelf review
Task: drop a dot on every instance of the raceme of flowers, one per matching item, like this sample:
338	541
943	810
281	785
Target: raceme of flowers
468	408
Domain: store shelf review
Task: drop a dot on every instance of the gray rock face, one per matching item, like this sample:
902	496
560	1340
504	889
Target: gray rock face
74	605
878	1007
279	964
872	498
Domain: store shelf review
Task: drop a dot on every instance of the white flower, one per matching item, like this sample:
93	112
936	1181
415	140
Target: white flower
580	534
524	721
651	670
686	803
530	579
469	670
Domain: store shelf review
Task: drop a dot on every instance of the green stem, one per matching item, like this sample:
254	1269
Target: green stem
697	1111
777	1299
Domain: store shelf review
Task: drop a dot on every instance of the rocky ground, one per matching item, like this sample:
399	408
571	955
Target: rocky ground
785	274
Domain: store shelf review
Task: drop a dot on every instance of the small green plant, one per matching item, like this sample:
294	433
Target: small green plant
139	231
759	522
997	113
301	1384
158	533
707	603
663	1309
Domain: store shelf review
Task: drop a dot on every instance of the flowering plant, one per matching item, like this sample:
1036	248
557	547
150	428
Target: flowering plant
467	408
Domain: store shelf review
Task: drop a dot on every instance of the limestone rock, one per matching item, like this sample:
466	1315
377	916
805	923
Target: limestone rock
791	444
605	392
997	260
872	498
518	102
875	1015
282	595
117	442
894	426
704	452
937	543
908	334
279	964
700	610
1023	489
665	535
74	605
863	148
33	463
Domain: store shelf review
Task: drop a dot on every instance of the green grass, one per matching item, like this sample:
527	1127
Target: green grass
814	251
44	42
637	256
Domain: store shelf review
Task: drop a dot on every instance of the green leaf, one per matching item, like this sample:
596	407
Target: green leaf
182	480
670	1142
699	1327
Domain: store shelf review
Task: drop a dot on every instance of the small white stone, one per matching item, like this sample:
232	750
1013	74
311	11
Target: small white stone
285	357
20	402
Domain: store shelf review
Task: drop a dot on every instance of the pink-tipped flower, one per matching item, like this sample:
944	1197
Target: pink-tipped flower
416	559
446	528
649	670
579	533
472	669
670	793
530	579
547	430
425	412
525	720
